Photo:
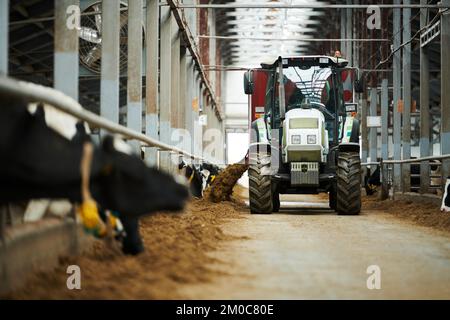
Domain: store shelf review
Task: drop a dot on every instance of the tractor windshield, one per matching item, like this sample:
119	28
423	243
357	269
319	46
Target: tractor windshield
313	86
308	85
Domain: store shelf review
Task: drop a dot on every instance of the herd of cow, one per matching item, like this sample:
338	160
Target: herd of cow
41	155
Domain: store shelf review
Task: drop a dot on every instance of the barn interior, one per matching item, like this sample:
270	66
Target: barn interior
167	78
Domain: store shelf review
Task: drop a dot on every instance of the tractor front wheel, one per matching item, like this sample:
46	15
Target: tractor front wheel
348	200
260	188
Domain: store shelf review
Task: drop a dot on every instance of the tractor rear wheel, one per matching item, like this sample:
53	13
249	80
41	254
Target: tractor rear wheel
348	200
260	188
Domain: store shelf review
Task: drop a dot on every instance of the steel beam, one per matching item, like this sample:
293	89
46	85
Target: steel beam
397	95
4	36
134	83
66	51
424	107
151	79
109	85
305	6
445	89
305	39
406	125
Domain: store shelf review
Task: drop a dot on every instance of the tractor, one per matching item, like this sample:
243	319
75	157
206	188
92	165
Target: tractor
304	134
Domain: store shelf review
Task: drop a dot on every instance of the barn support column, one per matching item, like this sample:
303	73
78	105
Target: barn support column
190	79
349	34
364	131
343	26
183	88
175	90
4	33
445	89
66	51
384	102
195	115
198	141
109	87
165	84
183	96
397	95
406	126
424	108
134	84
384	99
355	45
151	79
373	130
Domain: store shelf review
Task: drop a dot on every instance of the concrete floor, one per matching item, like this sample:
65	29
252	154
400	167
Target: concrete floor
308	252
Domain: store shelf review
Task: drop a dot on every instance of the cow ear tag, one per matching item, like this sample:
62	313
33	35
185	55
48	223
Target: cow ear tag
90	217
88	210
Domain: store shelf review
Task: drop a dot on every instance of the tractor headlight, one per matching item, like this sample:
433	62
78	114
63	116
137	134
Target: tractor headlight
296	139
312	139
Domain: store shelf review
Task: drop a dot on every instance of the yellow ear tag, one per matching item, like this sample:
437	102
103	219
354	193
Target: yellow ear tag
112	221
91	219
191	177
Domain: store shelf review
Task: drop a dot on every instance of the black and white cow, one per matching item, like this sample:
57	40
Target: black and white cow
199	177
445	207
374	180
209	172
194	178
38	162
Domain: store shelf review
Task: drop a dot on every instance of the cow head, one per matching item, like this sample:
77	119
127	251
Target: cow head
132	188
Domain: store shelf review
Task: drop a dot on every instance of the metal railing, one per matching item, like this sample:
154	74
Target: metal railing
416	160
37	93
386	173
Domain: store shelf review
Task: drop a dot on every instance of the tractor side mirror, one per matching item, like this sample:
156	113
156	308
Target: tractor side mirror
248	82
359	85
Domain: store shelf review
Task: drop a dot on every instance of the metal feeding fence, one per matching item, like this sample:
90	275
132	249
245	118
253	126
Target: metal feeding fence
34	92
386	169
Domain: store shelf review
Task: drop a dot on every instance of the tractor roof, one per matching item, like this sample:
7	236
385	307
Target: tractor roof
312	60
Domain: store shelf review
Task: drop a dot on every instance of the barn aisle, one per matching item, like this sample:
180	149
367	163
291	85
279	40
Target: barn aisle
308	252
